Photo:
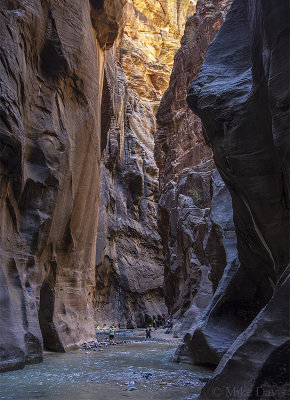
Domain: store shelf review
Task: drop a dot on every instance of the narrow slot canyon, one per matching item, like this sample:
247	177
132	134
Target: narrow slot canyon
144	158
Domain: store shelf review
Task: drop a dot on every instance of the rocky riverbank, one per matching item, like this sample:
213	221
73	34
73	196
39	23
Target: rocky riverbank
126	337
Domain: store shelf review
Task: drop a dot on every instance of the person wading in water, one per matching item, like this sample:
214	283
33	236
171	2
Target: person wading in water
111	335
148	332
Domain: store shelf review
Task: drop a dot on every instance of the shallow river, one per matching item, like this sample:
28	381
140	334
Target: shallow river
135	370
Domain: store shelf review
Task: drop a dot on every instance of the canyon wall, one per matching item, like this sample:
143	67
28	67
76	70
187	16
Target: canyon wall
129	264
52	68
242	97
195	212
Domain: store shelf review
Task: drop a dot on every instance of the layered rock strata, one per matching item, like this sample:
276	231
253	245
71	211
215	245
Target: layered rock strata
129	265
195	218
52	67
243	101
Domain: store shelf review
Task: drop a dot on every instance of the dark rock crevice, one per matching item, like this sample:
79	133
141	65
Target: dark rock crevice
195	217
49	332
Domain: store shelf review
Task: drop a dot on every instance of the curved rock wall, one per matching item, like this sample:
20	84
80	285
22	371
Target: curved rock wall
129	266
51	82
241	97
195	218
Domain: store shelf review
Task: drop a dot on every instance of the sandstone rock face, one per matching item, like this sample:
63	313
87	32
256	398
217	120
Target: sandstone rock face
241	97
152	34
129	265
52	71
195	225
256	366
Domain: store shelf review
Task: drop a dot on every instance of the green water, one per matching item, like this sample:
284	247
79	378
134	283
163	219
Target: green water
117	372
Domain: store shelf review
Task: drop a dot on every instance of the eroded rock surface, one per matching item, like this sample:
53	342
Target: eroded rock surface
129	266
195	225
50	132
241	97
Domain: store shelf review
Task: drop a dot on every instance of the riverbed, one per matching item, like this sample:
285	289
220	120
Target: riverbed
138	369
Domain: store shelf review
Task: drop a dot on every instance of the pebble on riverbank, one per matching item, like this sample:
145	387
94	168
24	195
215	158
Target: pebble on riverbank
95	345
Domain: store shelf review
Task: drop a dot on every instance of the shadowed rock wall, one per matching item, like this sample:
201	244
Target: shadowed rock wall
242	97
129	265
195	218
50	132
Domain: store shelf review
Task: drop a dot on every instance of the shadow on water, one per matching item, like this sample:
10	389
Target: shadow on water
137	369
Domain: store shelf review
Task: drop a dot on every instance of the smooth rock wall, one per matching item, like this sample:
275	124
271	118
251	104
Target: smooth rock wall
52	69
242	97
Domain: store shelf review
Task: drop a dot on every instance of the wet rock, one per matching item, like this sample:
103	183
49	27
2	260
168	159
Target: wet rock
203	379
131	389
130	383
147	375
97	346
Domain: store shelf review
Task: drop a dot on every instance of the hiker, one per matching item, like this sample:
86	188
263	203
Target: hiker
154	323
163	319
148	332
111	335
169	326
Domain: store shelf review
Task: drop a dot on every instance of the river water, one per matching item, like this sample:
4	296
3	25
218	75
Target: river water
136	370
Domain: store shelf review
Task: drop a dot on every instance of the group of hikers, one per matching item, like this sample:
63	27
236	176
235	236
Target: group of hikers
158	322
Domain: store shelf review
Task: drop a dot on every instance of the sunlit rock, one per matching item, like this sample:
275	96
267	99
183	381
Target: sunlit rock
129	264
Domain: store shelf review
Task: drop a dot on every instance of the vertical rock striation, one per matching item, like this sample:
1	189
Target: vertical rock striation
51	83
129	265
195	217
129	268
242	97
